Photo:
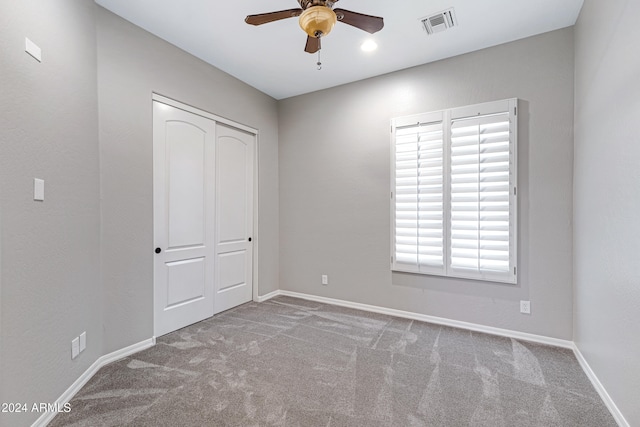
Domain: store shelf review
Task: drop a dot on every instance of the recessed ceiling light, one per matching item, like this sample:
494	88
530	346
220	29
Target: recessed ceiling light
369	46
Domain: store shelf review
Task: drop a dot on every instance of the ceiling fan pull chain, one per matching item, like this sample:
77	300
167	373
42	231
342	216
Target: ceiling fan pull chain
319	64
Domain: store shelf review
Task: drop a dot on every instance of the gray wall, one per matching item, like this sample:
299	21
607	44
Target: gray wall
50	250
607	197
132	64
82	122
334	186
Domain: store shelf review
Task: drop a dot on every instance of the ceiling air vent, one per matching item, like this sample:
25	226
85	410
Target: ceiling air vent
439	22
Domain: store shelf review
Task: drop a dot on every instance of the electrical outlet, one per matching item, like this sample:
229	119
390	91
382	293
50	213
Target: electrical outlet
525	307
83	341
325	279
75	347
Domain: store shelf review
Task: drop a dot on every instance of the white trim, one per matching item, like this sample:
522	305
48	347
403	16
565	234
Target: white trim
256	216
199	112
47	417
268	296
608	401
556	342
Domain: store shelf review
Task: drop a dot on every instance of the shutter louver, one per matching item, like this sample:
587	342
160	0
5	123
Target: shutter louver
480	194
419	196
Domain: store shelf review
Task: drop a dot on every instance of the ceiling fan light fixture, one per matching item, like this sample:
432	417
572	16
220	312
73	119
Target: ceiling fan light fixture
318	21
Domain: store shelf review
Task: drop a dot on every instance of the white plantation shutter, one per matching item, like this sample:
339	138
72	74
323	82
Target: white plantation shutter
480	195
418	203
454	204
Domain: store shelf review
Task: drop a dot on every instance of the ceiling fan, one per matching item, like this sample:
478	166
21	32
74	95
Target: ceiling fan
317	18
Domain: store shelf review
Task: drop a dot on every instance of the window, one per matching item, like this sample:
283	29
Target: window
453	200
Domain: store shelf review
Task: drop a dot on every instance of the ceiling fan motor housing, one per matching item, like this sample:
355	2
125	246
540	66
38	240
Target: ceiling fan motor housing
318	21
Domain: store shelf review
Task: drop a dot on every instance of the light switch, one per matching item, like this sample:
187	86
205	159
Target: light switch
38	189
83	341
33	49
75	347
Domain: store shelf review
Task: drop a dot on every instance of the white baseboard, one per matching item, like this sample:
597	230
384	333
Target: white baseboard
615	412
46	417
122	353
268	296
613	408
431	319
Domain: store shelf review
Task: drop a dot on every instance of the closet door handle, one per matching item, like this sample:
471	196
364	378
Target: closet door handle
158	250
249	238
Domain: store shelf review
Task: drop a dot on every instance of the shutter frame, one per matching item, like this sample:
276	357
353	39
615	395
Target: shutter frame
489	163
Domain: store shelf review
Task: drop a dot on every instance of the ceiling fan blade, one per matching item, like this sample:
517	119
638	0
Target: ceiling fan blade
264	18
313	45
368	23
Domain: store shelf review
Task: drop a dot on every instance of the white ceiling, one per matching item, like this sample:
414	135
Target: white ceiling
271	57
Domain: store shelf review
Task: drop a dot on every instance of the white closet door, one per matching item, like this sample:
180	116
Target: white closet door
235	152
184	206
